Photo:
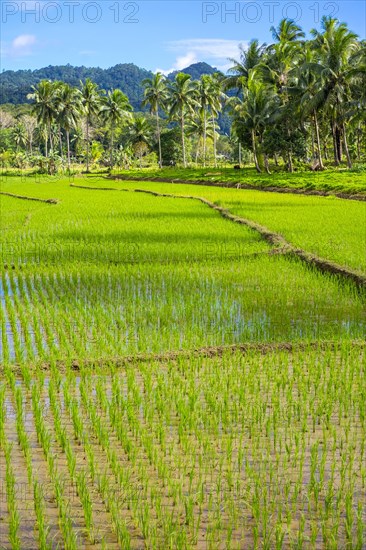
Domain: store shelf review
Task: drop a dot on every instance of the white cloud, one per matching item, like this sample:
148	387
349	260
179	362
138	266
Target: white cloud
215	51
23	41
21	46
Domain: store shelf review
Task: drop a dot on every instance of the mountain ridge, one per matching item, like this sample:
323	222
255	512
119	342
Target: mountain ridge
15	85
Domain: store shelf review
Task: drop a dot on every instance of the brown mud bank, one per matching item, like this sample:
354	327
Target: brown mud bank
23	197
208	351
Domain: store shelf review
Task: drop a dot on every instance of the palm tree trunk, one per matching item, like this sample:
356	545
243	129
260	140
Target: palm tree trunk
359	141
339	143
318	141
312	147
159	140
87	144
204	137
197	151
290	165
68	149
183	142
60	140
349	161
335	148
255	153
266	165
111	151
50	134
214	139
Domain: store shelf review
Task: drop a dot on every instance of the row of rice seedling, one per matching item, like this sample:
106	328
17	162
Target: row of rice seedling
124	310
259	451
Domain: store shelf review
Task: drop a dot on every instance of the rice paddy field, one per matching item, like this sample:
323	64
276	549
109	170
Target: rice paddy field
170	379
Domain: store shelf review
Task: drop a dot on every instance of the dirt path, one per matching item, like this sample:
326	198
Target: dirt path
210	351
48	201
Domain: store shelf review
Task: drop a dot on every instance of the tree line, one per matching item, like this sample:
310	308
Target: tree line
295	101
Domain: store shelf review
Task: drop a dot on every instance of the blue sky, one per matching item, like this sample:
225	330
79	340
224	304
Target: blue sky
165	35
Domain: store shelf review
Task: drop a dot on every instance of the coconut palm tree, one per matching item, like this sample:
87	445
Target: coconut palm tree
182	101
305	87
337	66
216	100
19	135
70	109
206	93
139	135
30	124
202	129
115	108
44	107
91	101
282	57
287	31
248	59
156	95
254	112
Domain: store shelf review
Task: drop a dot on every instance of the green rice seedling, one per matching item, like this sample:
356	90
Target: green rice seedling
84	494
2	415
14	519
39	506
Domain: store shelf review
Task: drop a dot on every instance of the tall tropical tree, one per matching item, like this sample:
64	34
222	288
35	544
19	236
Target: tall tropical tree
303	90
20	136
217	100
254	112
91	101
44	107
287	31
115	109
139	136
249	58
69	112
206	93
139	130
182	101
283	56
156	95
201	129
30	124
337	66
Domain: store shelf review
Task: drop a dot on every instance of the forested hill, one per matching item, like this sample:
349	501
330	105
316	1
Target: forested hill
15	85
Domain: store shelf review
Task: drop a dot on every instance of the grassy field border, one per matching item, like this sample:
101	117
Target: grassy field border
240	185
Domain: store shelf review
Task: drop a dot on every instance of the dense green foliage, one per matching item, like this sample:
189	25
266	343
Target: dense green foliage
16	85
